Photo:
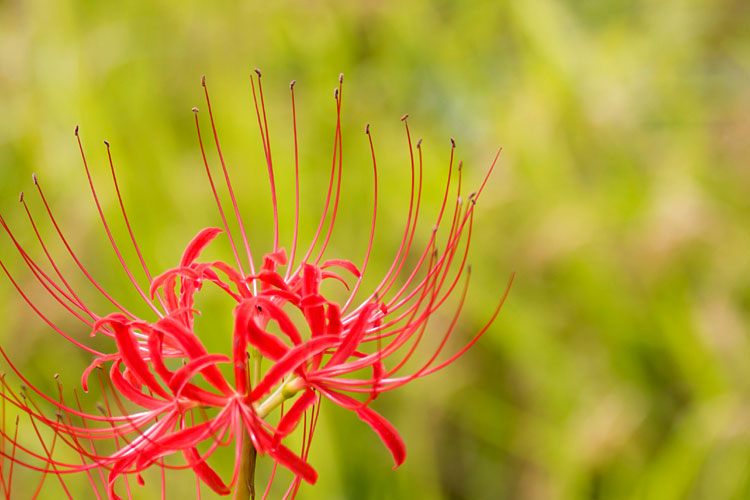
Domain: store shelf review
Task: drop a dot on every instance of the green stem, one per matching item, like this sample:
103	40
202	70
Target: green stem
246	478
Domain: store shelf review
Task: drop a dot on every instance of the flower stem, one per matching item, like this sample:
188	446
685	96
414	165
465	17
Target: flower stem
246	479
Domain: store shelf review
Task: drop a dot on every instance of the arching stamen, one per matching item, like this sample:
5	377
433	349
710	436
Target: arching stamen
226	178
74	256
338	94
416	209
330	188
401	250
266	138
77	302
127	222
109	233
363	269
428	246
293	253
216	195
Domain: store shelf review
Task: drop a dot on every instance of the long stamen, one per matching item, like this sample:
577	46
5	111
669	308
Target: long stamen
416	209
216	194
109	233
78	302
290	265
339	97
74	256
266	138
314	241
226	178
404	238
370	241
127	221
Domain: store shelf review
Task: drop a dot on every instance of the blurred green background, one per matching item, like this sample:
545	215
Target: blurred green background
619	365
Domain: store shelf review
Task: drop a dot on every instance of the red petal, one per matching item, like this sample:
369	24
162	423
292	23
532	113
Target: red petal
288	459
128	346
234	276
192	346
126	389
239	345
92	366
155	342
353	337
310	279
271	278
206	473
313	300
269	345
330	274
334	319
271	260
291	360
197	365
282	294
343	264
285	324
291	418
198	243
387	433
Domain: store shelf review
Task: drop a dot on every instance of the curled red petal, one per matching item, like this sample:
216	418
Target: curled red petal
126	389
270	346
192	346
387	433
271	278
343	264
291	461
291	418
271	260
353	337
94	364
128	348
195	366
285	323
198	243
331	274
206	473
282	294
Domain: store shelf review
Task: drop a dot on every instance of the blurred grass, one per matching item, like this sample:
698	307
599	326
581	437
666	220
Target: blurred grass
618	368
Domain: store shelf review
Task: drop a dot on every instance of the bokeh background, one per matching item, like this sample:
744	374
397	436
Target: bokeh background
619	365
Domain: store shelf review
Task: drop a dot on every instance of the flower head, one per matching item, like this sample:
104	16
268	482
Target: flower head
165	394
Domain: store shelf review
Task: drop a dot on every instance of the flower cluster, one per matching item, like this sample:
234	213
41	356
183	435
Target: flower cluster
164	394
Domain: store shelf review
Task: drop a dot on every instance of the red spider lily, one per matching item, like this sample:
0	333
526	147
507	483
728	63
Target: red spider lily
349	352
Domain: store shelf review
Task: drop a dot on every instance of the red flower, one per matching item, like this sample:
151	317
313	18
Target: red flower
348	352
